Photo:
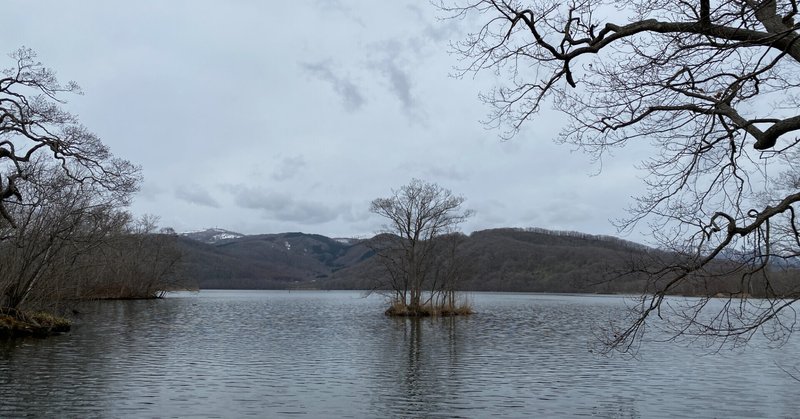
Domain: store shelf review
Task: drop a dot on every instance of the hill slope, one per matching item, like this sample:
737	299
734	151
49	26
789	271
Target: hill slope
499	260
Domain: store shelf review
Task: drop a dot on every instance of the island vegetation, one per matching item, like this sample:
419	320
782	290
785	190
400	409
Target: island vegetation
418	250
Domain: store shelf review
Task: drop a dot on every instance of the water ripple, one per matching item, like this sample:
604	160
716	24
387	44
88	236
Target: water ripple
333	354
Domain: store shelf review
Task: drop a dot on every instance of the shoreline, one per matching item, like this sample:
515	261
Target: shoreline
14	323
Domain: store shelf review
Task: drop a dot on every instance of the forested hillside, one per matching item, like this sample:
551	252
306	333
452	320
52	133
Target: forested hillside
496	260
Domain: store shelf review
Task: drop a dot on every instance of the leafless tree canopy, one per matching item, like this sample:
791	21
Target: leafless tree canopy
32	123
713	86
63	231
418	244
74	240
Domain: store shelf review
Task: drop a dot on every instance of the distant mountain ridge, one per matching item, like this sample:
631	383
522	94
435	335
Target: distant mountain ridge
508	259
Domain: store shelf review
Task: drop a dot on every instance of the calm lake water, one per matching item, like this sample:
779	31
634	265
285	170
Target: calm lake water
334	354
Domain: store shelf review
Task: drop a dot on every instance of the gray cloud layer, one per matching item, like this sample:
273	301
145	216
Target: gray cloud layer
284	207
348	91
311	109
195	194
288	168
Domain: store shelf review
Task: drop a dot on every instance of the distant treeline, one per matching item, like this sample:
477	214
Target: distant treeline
531	260
498	260
506	259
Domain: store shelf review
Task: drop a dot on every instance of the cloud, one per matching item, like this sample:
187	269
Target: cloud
288	167
395	64
195	194
348	91
559	214
451	173
330	7
150	191
284	207
399	80
439	30
489	214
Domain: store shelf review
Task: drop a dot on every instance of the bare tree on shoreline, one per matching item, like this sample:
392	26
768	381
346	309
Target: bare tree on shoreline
62	195
32	123
714	88
74	240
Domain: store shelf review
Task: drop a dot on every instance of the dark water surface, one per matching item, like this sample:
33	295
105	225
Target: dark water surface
334	354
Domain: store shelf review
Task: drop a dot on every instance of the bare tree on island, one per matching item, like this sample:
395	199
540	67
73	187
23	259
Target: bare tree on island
416	248
714	88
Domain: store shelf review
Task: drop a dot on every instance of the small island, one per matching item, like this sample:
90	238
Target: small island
398	308
15	323
418	250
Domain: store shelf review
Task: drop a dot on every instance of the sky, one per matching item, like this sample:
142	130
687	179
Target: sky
268	117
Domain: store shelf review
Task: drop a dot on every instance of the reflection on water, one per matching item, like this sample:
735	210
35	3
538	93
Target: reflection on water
334	354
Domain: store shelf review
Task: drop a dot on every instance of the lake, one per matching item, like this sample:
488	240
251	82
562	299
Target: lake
334	354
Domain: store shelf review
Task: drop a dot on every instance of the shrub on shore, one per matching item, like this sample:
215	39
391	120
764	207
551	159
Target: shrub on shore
15	323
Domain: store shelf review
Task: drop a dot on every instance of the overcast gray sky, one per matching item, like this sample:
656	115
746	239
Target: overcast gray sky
266	116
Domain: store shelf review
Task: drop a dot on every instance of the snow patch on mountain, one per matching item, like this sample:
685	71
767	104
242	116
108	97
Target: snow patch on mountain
212	235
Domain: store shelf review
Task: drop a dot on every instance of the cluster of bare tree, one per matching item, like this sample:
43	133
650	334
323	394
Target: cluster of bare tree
63	230
418	248
713	87
72	248
585	236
